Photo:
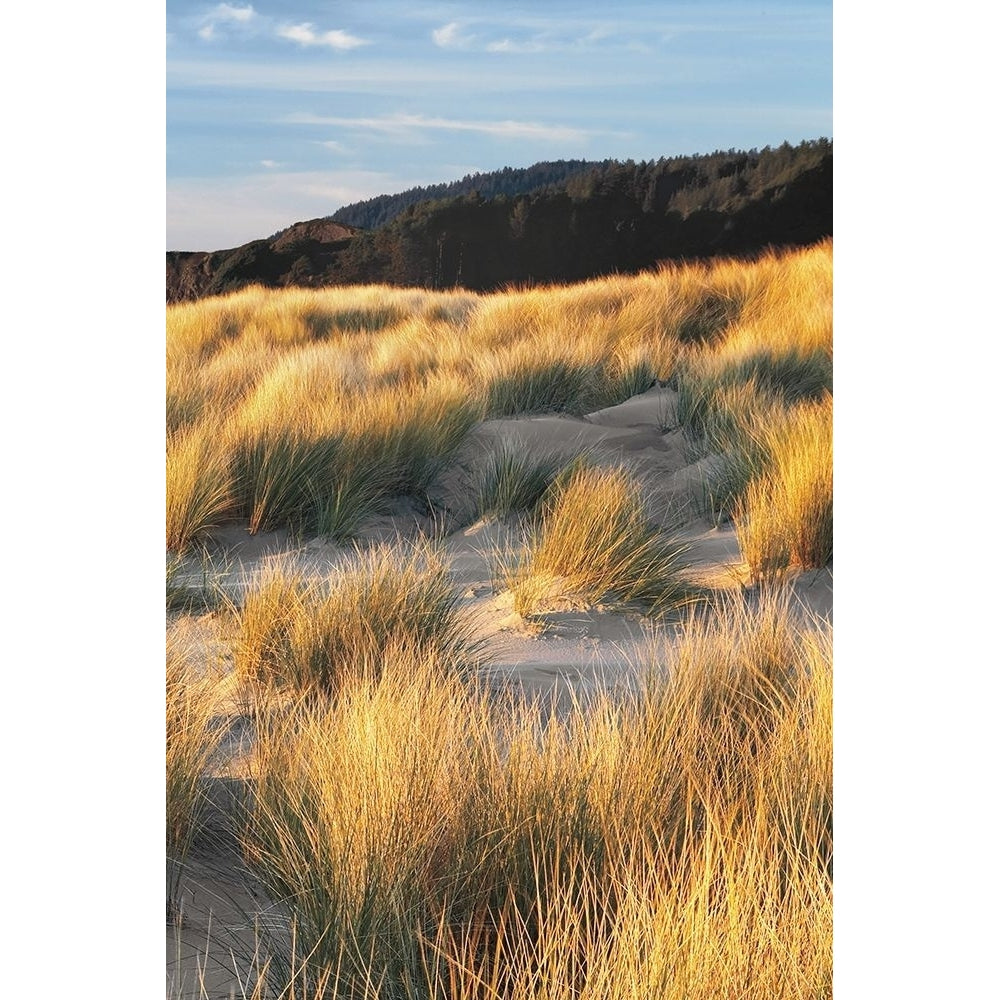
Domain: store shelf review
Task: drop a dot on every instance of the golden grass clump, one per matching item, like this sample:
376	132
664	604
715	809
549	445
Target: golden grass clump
705	382
510	481
412	430
197	329
595	543
781	338
322	464
698	302
534	378
415	350
199	485
785	518
191	743
673	843
316	634
358	812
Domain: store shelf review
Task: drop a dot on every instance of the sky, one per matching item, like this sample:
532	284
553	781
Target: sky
280	112
91	146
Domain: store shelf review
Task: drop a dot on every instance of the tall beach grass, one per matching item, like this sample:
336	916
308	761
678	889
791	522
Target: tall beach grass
191	742
425	841
322	404
418	834
305	634
595	542
785	517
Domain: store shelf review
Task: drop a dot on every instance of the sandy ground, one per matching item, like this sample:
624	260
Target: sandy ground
564	652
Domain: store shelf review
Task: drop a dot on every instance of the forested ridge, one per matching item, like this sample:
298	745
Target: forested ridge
578	221
509	181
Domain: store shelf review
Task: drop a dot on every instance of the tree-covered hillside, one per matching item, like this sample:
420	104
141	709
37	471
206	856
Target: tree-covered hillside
613	216
509	181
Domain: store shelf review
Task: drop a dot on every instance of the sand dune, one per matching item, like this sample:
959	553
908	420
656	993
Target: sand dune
564	651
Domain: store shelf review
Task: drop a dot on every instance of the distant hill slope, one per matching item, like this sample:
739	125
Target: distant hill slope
296	255
612	216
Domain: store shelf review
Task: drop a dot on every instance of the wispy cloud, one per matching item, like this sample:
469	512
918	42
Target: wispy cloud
506	45
404	123
526	35
270	164
229	12
379	75
306	35
449	36
225	14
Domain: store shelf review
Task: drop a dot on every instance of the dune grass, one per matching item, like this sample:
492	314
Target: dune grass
350	820
199	487
420	836
277	472
788	376
306	395
735	432
516	385
785	517
772	476
596	543
191	743
307	634
512	481
425	841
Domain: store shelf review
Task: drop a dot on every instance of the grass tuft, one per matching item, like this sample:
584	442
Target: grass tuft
198	487
596	543
511	481
785	518
191	741
316	634
519	383
675	842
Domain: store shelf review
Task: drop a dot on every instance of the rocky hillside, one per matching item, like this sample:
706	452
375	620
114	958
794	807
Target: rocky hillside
303	254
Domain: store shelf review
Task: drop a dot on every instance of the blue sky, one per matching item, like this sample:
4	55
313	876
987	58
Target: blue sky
278	112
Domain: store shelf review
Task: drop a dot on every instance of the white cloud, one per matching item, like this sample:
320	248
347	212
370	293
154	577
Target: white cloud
225	14
555	40
334	146
376	75
449	36
401	124
305	34
506	45
270	164
532	34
